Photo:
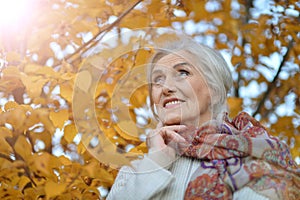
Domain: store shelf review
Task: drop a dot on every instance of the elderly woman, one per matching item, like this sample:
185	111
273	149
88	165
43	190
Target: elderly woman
196	151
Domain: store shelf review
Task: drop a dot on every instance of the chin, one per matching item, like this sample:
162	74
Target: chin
172	121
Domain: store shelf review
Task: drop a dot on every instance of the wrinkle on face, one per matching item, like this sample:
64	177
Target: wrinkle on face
178	82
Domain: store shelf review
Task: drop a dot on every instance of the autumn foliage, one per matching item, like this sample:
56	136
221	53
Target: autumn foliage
73	88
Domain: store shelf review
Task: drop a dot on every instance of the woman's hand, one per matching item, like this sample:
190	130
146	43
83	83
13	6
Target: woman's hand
164	142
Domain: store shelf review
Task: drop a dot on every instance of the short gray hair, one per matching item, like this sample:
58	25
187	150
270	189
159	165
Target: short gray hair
210	63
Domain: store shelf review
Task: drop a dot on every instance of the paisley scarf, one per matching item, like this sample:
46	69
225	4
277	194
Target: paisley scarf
240	153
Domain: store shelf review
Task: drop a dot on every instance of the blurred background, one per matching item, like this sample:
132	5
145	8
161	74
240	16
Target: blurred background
71	76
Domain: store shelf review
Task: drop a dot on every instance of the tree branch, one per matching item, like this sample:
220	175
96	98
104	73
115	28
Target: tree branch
6	157
236	89
245	21
102	30
272	84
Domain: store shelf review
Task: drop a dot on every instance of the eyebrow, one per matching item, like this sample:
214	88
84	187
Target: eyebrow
180	64
174	67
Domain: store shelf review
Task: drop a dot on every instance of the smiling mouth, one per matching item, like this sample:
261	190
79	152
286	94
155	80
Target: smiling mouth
172	103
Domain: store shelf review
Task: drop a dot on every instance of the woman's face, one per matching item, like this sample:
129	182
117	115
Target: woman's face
179	91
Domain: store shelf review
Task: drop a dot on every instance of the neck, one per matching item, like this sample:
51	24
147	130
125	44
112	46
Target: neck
199	121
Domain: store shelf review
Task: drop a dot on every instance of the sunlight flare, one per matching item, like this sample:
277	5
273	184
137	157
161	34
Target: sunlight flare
13	12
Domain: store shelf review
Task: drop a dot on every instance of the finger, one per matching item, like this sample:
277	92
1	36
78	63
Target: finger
161	131
180	148
159	125
177	142
176	128
154	139
170	135
162	136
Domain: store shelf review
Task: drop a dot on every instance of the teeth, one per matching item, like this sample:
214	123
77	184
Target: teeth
172	102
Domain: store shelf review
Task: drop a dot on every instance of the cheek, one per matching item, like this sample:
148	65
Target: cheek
155	94
203	95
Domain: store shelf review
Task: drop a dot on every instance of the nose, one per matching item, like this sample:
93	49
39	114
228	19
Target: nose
169	86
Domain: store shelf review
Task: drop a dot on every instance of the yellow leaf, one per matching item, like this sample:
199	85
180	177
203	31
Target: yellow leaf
84	80
66	91
295	152
81	148
91	193
43	116
128	130
13	57
11	71
198	9
59	118
235	106
85	26
142	148
155	6
249	26
24	180
42	164
142	57
6	193
139	96
53	189
44	136
114	159
5	148
284	125
94	170
34	85
98	61
33	193
221	45
141	19
4	163
297	143
47	72
117	140
237	61
67	76
15	117
31	68
23	147
10	105
64	160
70	132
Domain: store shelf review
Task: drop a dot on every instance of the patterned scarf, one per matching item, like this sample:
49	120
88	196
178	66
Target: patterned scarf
237	154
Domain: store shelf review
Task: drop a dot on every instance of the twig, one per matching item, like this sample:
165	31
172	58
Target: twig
103	29
245	21
83	51
6	157
273	82
236	89
26	169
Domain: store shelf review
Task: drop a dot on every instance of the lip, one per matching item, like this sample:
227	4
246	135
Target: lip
170	100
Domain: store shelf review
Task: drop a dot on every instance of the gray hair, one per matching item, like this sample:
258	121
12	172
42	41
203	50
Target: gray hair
209	62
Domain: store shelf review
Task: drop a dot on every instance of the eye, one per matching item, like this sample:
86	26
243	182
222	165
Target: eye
183	73
158	80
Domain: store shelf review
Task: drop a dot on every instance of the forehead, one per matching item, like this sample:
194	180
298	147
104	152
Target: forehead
173	59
